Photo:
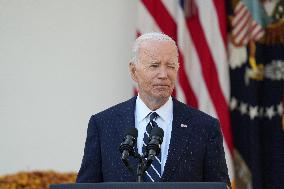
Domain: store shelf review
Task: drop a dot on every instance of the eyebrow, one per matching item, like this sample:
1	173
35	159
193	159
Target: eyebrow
159	62
171	62
155	61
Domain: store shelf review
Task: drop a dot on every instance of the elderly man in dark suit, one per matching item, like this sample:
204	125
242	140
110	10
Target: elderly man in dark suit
192	149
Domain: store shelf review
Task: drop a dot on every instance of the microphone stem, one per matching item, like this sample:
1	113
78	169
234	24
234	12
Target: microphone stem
140	168
140	173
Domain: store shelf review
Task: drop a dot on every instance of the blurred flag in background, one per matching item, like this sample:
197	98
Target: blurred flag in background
200	30
256	61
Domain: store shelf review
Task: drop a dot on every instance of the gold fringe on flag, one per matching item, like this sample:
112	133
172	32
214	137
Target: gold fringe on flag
257	69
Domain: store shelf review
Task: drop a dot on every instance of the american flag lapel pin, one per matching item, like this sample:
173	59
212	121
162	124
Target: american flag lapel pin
183	125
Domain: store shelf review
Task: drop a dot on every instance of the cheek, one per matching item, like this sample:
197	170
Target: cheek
173	77
145	81
147	78
148	83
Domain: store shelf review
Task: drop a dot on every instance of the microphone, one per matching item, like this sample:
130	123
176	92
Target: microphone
154	146
126	147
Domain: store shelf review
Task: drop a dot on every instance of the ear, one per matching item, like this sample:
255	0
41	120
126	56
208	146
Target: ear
132	70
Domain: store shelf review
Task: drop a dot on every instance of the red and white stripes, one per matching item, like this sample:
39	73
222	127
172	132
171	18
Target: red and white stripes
203	80
244	27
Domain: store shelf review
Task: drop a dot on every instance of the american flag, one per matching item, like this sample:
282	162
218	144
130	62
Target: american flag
199	28
244	26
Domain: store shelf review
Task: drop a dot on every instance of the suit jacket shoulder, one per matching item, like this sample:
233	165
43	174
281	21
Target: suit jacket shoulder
185	112
126	107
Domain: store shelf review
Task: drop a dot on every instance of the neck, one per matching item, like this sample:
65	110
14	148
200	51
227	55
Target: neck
153	103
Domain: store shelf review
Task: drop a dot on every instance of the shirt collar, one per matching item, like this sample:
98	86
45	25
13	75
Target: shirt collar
165	112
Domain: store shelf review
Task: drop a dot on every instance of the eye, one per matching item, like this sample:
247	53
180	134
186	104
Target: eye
171	66
154	65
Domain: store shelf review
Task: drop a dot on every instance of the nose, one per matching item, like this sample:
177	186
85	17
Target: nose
163	72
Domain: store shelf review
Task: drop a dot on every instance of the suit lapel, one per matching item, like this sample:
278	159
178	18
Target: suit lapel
179	138
126	116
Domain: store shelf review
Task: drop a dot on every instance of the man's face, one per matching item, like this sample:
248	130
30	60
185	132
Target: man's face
156	70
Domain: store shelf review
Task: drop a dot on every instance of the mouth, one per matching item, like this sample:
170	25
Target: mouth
161	85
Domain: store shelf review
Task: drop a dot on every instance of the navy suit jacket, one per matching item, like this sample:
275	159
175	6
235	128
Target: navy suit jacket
195	153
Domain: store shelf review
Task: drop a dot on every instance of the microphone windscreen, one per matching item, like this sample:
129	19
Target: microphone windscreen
132	131
157	131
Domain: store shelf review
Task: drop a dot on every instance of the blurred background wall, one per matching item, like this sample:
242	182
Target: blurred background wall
60	62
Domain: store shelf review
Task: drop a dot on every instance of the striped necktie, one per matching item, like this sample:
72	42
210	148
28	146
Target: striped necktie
153	173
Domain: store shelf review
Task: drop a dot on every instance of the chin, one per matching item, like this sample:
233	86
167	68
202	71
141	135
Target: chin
162	95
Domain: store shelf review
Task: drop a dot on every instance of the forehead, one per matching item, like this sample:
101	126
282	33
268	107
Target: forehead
158	49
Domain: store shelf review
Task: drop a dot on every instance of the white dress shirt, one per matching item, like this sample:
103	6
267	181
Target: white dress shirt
164	121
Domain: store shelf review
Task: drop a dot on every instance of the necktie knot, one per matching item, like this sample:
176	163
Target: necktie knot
153	116
152	123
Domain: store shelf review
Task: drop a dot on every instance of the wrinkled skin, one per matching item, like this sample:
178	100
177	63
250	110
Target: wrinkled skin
155	72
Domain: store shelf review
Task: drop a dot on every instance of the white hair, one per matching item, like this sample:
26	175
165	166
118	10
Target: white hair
149	36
